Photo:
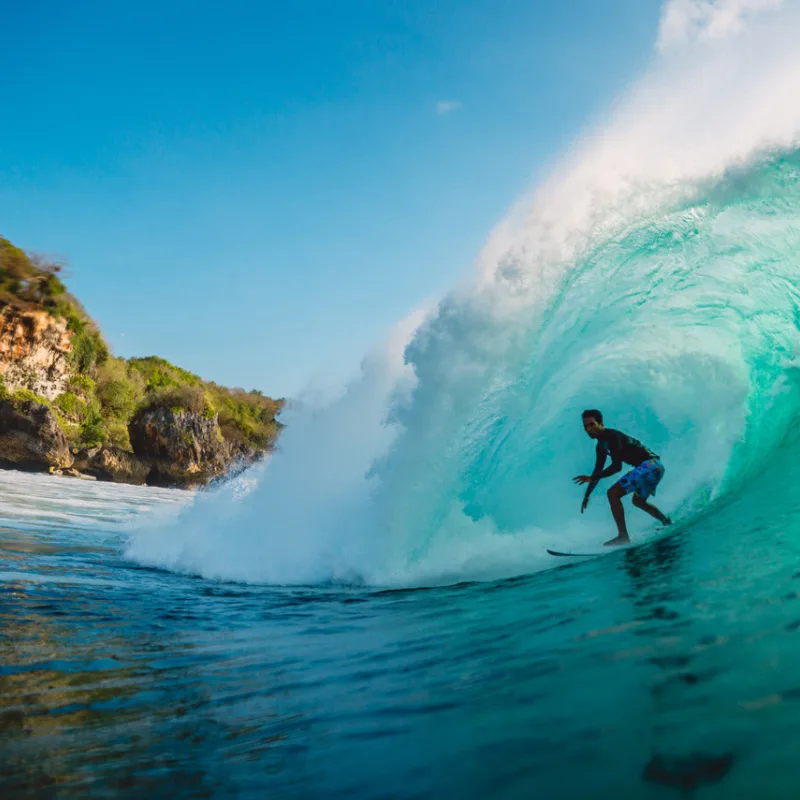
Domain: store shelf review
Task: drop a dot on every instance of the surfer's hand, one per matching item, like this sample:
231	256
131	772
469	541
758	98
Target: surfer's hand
582	479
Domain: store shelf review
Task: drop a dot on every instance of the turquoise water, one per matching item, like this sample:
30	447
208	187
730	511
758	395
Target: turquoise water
373	614
674	663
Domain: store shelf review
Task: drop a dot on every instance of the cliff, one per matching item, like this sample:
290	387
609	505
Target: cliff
30	437
35	352
180	445
67	405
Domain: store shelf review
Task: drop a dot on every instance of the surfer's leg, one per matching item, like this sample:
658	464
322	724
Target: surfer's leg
615	495
644	482
640	502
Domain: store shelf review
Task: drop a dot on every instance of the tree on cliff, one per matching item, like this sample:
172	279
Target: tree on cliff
28	279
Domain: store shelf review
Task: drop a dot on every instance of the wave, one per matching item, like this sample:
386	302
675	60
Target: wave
653	276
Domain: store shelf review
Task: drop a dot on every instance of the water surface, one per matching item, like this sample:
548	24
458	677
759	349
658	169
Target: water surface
674	664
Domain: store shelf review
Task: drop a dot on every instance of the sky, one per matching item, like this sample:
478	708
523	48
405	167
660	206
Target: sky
259	191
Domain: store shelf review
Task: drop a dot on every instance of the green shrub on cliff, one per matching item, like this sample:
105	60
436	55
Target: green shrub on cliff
70	429
15	267
82	385
158	373
179	398
116	433
118	397
81	419
120	389
20	396
248	417
28	280
88	350
92	431
97	411
72	407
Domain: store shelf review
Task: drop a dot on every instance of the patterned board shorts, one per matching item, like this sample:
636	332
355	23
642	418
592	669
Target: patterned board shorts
643	479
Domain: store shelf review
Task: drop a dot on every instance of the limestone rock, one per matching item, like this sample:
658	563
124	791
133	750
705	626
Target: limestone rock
184	448
30	437
243	456
73	473
112	464
35	352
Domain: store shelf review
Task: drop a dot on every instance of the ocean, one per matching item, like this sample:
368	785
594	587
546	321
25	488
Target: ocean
664	669
373	613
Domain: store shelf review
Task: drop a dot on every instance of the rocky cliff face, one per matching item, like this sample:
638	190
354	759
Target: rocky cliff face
177	449
171	447
35	352
30	437
112	464
184	448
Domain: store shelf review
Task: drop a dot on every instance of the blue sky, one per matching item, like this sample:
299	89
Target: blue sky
258	191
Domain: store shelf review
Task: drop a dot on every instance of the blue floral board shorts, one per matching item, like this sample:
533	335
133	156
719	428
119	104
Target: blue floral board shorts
643	479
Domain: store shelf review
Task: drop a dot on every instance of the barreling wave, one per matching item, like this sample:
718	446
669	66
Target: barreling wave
654	276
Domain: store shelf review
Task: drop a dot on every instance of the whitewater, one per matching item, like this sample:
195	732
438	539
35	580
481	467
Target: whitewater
372	613
653	275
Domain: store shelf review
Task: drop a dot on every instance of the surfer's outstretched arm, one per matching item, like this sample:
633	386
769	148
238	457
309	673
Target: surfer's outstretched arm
597	473
589	490
581	479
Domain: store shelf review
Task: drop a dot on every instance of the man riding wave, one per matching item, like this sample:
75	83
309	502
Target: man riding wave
642	480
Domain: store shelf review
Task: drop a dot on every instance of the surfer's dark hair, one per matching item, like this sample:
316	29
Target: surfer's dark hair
593	412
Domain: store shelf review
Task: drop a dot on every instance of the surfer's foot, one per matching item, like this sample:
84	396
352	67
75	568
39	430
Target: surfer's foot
666	521
617	541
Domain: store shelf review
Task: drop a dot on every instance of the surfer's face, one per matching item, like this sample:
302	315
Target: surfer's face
592	427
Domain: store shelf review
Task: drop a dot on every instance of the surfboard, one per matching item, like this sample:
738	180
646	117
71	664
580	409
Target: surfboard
606	550
677	526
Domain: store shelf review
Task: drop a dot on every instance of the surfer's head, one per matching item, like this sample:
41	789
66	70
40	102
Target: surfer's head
592	422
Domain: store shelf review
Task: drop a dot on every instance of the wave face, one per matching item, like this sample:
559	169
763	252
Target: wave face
654	276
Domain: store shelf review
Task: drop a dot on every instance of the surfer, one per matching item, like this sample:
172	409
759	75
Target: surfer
642	480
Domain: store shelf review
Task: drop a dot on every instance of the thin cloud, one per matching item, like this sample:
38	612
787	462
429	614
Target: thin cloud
683	21
447	106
